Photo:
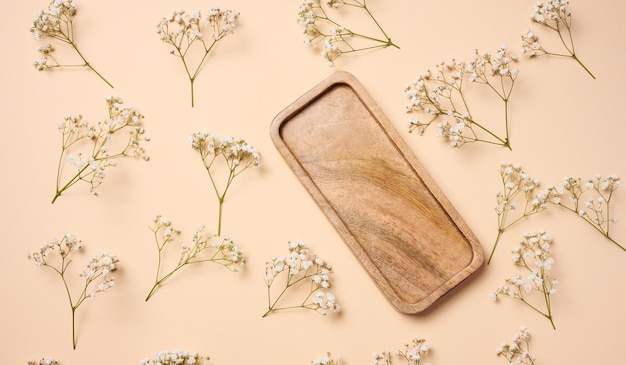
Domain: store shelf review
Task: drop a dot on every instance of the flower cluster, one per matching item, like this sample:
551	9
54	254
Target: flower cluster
587	198
204	248
517	186
518	351
176	357
301	266
97	273
182	31
441	96
319	28
590	199
236	153
46	361
533	255
96	147
57	23
327	360
382	358
412	353
556	16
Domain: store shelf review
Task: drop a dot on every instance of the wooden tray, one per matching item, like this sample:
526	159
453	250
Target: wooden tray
376	193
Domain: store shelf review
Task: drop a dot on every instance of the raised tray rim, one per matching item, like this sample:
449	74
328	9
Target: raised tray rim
347	79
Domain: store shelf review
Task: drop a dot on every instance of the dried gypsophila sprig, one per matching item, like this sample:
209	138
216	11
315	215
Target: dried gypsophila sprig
204	248
236	153
518	351
413	353
188	32
301	267
327	360
318	27
556	16
176	357
532	255
590	199
46	361
58	23
442	96
97	273
382	358
517	187
96	142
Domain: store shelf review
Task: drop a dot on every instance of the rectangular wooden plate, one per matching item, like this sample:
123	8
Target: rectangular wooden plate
390	213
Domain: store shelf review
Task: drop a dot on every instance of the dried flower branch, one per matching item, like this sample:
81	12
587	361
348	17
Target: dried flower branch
327	360
58	23
518	352
176	357
590	199
516	183
554	15
441	96
236	153
97	153
191	37
319	27
533	255
98	270
412	353
204	248
382	358
46	361
302	268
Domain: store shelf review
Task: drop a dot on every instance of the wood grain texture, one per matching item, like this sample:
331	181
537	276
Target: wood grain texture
394	218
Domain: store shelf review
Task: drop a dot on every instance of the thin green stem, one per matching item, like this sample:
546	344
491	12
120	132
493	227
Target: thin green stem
73	306
506	123
389	42
159	260
87	64
549	317
162	280
272	306
583	66
74	328
219	215
615	242
596	227
495	244
191	80
571	48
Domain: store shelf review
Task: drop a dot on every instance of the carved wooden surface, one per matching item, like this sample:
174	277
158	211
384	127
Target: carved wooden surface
394	218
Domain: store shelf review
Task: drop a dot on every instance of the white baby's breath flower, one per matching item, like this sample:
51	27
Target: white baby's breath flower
185	31
533	256
97	273
175	357
434	94
45	361
97	155
518	351
203	248
305	268
554	16
590	199
327	360
57	23
517	186
413	353
320	27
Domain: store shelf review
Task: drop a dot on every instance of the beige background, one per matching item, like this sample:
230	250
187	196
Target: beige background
562	123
